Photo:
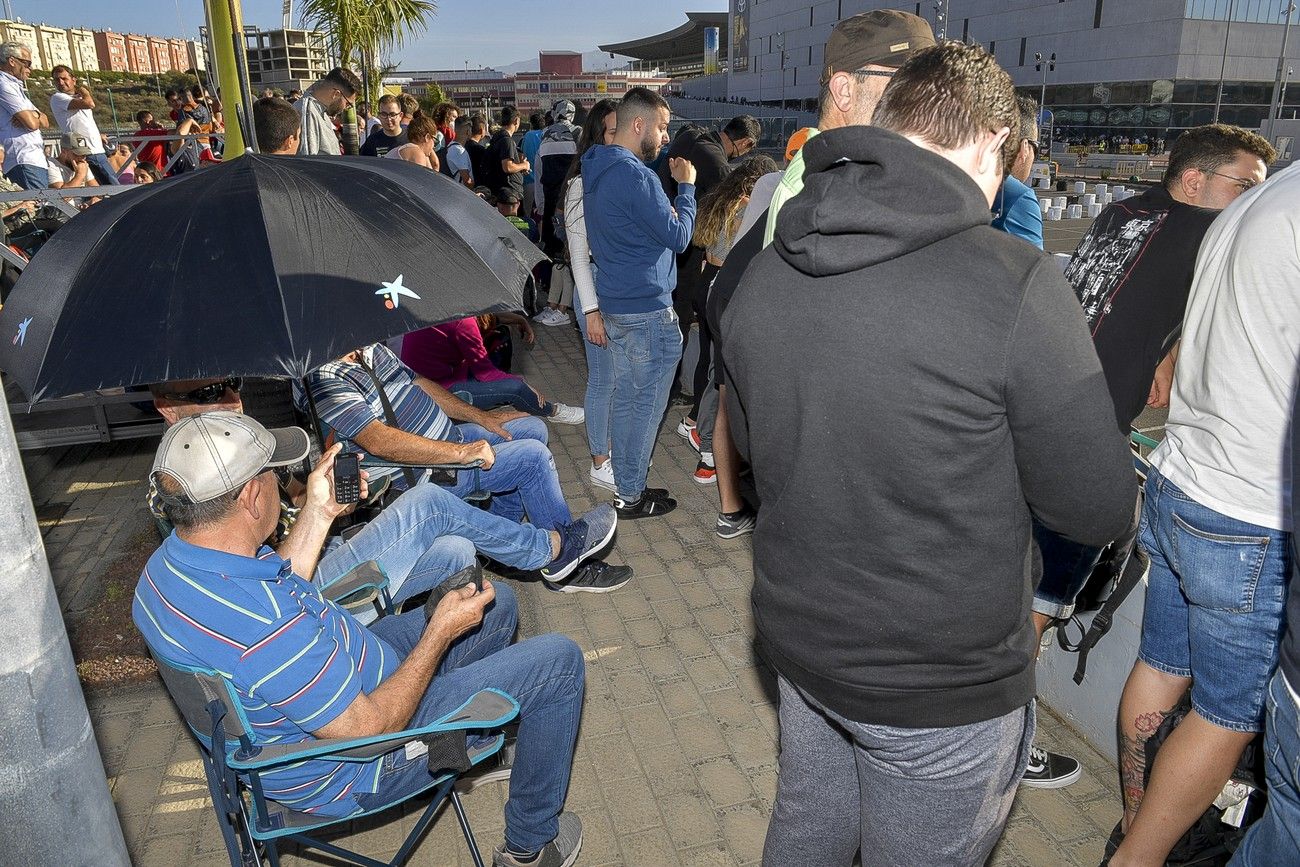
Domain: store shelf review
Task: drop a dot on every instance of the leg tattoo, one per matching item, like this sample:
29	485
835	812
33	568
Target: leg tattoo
1133	759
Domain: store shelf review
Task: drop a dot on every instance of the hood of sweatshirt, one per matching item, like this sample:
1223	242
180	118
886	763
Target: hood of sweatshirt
598	160
869	196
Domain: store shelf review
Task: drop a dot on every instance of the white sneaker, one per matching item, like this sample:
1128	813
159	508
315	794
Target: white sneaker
603	476
565	414
552	316
684	428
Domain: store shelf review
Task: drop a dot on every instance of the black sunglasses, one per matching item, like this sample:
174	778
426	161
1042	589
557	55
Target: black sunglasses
1038	149
210	393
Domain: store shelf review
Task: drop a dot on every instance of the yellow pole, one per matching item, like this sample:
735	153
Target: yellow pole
222	34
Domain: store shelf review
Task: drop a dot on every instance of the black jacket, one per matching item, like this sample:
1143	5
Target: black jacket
911	386
704	149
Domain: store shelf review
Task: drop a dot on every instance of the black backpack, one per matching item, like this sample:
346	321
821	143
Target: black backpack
443	166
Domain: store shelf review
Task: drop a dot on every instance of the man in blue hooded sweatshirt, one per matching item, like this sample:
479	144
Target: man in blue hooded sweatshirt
635	234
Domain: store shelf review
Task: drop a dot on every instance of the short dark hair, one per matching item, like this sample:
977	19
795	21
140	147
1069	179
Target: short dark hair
274	120
479	124
509	114
59	67
184	515
1208	148
142	114
537	120
639	102
389	99
144	167
170	92
344	79
949	95
743	126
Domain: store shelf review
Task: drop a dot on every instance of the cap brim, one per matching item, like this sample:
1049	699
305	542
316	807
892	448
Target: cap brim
291	446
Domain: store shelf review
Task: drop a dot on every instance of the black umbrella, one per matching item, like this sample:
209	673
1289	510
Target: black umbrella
265	265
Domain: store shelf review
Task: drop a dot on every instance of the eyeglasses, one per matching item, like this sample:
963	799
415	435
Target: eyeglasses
24	62
390	114
870	72
1244	183
210	393
1038	149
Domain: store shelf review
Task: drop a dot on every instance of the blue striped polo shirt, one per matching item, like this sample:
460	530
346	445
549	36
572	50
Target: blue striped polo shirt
347	400
296	661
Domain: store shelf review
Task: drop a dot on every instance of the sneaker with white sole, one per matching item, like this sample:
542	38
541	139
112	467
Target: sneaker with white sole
494	769
684	428
552	316
580	541
565	414
652	503
594	577
1050	770
733	524
603	476
705	472
560	852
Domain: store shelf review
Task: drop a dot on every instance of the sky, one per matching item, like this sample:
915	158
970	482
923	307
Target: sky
482	32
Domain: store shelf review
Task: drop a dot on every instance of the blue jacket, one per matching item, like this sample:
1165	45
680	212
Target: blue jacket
1016	211
633	234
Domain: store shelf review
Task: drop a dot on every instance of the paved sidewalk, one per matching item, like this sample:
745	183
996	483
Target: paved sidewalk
676	760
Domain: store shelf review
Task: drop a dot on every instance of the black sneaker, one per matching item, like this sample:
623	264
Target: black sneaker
733	524
580	540
651	504
1050	770
596	576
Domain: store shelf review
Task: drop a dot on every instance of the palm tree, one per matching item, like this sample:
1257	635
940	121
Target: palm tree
364	30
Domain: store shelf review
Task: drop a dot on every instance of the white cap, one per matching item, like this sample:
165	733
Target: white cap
214	453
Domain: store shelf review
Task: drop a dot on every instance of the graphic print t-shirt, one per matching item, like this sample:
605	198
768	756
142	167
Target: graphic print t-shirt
1132	273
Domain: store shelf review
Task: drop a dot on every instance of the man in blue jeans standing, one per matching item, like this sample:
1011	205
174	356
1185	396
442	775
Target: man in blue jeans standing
21	121
635	234
213	596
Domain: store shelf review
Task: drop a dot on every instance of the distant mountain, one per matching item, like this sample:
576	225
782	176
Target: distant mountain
592	61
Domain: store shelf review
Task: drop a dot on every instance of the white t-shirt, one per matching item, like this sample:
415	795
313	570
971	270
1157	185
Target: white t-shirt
1227	439
458	160
80	122
22	146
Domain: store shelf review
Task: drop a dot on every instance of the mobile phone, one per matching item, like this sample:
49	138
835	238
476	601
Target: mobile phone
347	479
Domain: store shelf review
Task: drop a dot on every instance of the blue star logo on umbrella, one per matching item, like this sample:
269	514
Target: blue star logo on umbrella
21	337
394	292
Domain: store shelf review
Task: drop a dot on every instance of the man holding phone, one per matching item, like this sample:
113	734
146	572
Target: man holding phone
306	668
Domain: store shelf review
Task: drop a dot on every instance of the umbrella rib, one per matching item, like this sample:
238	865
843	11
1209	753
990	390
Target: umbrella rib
284	311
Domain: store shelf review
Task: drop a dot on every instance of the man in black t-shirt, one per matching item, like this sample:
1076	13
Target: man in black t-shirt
478	152
389	134
506	165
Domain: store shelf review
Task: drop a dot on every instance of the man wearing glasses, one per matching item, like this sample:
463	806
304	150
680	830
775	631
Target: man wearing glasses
21	121
389	134
336	92
1016	210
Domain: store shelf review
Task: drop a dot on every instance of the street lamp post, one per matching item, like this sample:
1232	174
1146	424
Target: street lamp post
941	19
1223	67
1045	65
1275	106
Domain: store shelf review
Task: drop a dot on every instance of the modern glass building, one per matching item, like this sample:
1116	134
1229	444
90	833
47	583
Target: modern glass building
1134	68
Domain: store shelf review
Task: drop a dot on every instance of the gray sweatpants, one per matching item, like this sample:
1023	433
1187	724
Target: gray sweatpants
905	797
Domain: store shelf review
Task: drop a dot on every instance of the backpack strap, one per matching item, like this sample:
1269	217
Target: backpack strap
1134	568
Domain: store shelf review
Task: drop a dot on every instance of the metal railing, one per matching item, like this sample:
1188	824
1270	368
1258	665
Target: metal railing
191	145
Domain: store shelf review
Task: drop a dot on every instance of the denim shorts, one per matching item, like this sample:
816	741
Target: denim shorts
1215	603
1066	567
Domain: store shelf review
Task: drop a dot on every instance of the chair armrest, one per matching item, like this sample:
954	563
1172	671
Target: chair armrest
486	709
366	580
372	461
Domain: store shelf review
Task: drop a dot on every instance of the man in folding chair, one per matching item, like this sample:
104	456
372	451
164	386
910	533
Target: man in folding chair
213	596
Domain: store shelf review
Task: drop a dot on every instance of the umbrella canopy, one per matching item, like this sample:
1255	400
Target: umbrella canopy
265	265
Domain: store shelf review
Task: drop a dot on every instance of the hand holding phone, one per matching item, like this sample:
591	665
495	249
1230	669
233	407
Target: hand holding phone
347	479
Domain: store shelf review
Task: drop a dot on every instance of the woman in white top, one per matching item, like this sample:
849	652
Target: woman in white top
597	130
421	143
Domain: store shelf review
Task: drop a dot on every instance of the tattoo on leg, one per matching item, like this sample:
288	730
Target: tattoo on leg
1133	759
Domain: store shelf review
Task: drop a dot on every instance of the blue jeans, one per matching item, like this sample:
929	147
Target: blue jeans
845	786
1275	838
544	674
102	170
646	348
426	535
1066	567
599	400
522	481
1215	604
502	392
29	177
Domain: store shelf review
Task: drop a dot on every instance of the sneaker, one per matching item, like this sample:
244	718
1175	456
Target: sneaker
603	476
565	414
652	503
560	852
1050	770
705	472
694	439
580	540
494	769
684	427
731	525
552	316
543	315
594	577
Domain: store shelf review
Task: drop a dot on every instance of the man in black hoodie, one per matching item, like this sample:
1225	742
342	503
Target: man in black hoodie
952	362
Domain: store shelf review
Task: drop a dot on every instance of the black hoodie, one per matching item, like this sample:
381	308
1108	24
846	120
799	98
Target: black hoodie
911	385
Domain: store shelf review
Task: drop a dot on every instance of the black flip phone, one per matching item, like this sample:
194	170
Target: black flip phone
347	479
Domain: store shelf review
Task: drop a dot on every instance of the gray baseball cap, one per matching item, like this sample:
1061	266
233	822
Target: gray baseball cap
215	453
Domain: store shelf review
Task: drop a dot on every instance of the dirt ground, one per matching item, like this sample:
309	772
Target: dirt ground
107	647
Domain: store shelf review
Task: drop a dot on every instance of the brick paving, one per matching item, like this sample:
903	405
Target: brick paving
676	758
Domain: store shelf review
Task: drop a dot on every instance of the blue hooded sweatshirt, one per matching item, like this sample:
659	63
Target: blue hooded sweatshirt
633	234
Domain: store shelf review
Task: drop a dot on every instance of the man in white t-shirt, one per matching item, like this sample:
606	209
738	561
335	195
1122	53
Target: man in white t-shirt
459	164
21	121
1218	500
73	108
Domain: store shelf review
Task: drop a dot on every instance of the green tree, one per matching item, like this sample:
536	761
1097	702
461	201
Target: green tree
433	95
366	30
